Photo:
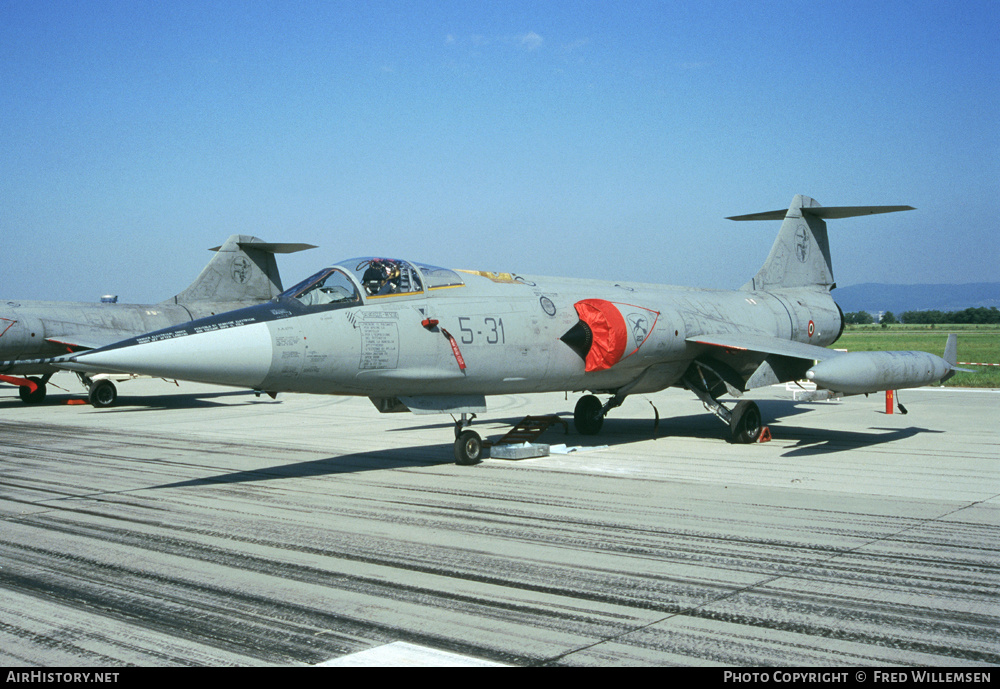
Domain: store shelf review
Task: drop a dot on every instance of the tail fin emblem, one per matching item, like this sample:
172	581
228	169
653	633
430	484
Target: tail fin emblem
801	244
241	270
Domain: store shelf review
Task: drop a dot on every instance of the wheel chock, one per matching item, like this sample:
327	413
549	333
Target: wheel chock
765	435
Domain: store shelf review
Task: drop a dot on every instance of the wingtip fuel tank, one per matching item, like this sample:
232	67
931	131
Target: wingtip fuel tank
865	372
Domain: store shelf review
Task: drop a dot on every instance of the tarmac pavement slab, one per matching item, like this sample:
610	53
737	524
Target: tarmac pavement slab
198	525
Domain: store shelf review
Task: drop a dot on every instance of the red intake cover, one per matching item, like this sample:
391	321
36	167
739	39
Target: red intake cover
610	334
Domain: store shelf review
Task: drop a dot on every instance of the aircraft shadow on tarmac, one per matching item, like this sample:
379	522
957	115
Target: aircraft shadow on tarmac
817	441
187	401
397	458
617	432
810	441
146	402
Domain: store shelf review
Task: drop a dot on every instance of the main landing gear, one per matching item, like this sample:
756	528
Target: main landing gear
588	416
103	393
36	396
744	420
589	413
745	425
100	393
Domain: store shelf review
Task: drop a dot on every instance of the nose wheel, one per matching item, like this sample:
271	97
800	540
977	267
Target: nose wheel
468	448
468	443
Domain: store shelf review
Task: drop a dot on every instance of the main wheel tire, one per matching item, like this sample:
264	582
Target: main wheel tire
587	416
468	448
103	393
746	425
35	397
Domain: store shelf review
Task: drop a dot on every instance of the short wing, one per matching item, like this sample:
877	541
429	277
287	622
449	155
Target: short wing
764	344
780	360
87	338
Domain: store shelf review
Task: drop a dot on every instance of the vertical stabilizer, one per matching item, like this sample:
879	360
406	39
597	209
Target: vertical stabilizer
243	270
800	256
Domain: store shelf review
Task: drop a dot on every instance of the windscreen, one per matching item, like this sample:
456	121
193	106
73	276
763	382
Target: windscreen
328	286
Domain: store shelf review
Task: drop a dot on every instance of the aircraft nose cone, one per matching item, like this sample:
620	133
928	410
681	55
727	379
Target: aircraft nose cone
238	356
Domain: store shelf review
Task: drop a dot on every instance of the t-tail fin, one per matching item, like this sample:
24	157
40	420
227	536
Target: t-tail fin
800	256
243	270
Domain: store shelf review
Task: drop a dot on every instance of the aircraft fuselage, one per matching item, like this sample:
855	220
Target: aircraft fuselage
492	335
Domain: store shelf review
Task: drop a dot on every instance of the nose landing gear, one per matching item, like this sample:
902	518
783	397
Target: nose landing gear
468	448
468	443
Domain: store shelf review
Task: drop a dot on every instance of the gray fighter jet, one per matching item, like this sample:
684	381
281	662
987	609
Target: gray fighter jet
416	337
243	272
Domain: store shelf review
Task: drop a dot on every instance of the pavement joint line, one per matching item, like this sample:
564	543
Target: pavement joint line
764	582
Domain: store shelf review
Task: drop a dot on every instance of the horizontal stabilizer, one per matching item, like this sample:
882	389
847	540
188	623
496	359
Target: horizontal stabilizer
825	212
271	248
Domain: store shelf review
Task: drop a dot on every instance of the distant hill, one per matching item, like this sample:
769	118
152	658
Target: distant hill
873	297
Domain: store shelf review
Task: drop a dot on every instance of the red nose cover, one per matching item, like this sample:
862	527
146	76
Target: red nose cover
610	335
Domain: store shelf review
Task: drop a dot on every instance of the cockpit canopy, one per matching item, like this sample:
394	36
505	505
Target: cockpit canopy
344	283
384	276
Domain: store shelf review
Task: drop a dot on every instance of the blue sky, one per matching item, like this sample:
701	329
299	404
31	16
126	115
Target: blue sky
597	139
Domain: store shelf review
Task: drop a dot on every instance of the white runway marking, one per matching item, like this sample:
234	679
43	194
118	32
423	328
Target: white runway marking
402	654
